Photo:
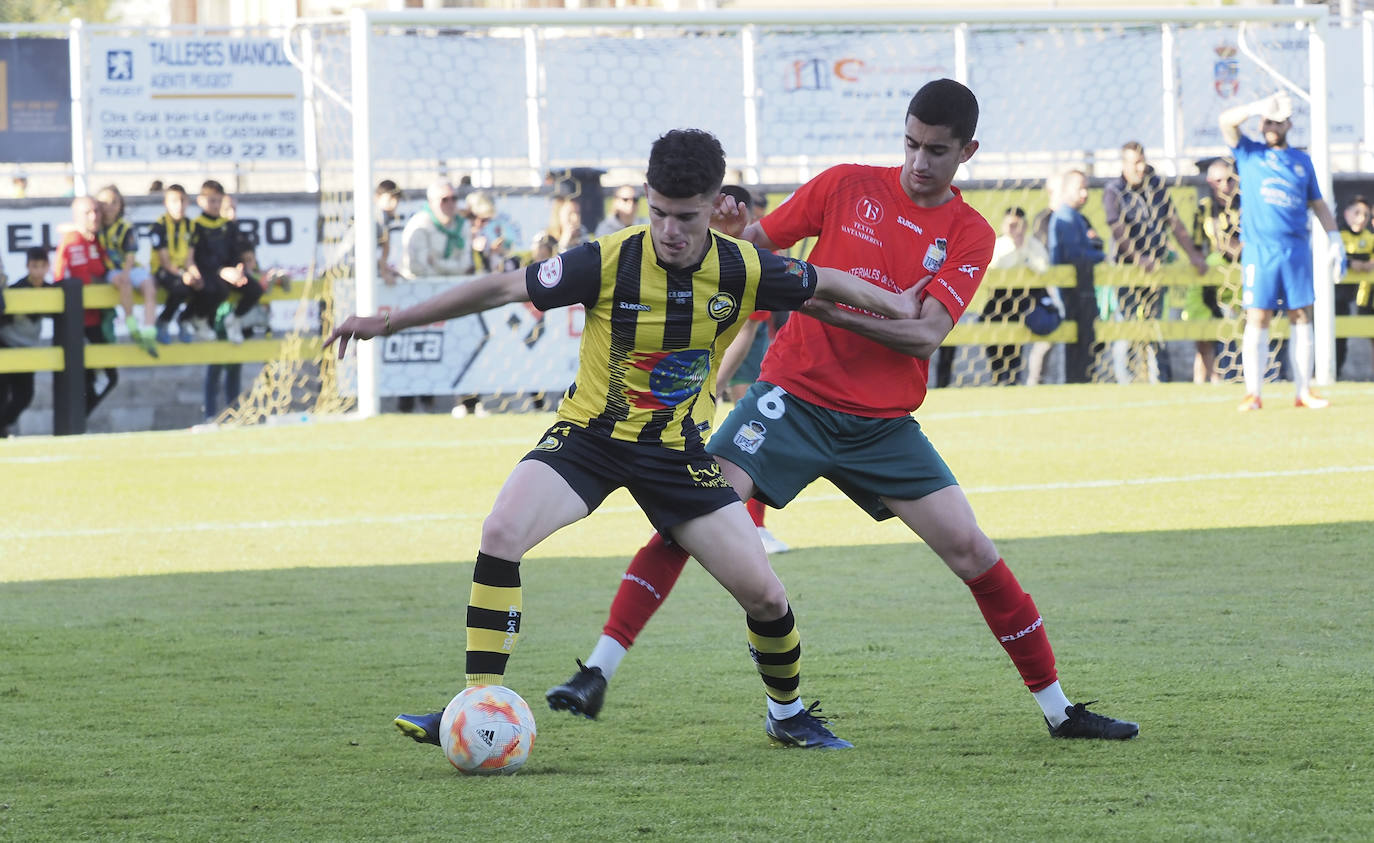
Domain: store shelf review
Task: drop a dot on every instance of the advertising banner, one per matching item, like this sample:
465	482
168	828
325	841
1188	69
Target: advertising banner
193	99
510	349
35	100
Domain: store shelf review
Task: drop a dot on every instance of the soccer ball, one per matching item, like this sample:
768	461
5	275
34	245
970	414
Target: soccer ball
487	731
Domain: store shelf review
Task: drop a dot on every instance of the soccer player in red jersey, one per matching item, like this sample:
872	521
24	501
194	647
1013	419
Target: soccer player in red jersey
838	386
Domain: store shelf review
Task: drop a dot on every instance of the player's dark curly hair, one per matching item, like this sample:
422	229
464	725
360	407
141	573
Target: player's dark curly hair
685	163
945	102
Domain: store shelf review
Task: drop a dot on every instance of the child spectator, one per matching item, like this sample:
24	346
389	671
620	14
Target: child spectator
171	240
80	257
21	331
117	238
215	261
1358	241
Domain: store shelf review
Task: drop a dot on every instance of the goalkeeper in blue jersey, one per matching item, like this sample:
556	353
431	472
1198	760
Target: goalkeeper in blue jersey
1278	186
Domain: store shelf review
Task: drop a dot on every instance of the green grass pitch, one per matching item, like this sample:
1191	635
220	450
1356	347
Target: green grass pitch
205	637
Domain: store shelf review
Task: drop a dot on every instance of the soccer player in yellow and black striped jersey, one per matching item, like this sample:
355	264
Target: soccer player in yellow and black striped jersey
662	300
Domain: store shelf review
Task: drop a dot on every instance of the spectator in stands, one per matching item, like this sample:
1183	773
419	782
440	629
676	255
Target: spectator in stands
1012	250
565	223
436	242
1358	240
1141	216
385	200
81	258
217	245
155	187
213	249
21	331
1216	230
624	211
120	243
1071	239
19	186
171	253
494	235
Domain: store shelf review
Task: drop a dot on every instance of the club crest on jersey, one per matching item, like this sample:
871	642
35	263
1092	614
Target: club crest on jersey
935	255
721	306
551	271
749	438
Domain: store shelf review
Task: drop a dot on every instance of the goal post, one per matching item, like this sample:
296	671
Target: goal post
506	97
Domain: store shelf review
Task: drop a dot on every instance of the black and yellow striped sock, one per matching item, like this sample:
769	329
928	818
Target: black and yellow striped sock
776	649
493	619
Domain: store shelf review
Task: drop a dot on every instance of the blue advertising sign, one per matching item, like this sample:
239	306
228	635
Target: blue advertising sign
35	100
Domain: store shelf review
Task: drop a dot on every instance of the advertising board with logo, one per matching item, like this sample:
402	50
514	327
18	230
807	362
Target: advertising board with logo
193	99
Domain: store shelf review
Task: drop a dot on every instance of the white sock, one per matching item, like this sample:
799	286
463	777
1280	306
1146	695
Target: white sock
1052	702
606	655
1302	347
1254	356
782	711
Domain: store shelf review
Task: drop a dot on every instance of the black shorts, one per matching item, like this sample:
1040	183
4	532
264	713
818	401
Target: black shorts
670	486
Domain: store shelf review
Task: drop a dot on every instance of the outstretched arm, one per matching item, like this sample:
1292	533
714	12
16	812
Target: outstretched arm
918	337
839	286
477	295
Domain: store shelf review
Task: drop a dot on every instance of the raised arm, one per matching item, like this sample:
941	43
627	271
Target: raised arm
1231	119
477	295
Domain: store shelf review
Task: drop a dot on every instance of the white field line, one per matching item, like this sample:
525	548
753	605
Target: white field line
442	517
201	445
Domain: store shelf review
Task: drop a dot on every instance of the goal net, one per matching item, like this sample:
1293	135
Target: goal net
534	107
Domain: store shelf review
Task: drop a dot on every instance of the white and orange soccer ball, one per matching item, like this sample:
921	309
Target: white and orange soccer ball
487	731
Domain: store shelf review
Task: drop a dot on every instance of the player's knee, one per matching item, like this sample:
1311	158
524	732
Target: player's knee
764	602
504	536
969	553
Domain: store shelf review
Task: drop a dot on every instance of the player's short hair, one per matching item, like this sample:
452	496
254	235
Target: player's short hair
36	253
1015	211
387	187
1358	199
685	163
945	102
211	186
742	195
174	188
1133	146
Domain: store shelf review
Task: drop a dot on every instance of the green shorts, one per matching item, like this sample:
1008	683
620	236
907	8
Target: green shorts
784	443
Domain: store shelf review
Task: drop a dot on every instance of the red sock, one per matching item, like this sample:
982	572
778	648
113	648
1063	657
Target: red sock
651	575
1013	618
756	510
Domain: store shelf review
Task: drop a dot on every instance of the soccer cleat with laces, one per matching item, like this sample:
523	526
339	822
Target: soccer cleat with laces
1082	723
421	728
804	729
582	694
1251	402
1311	400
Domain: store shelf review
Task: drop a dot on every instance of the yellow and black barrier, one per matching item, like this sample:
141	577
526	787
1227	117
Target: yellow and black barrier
70	355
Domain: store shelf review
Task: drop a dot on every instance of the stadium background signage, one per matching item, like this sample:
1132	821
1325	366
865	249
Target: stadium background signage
193	99
284	228
35	100
510	349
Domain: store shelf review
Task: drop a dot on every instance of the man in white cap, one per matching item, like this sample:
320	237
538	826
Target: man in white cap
1278	185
